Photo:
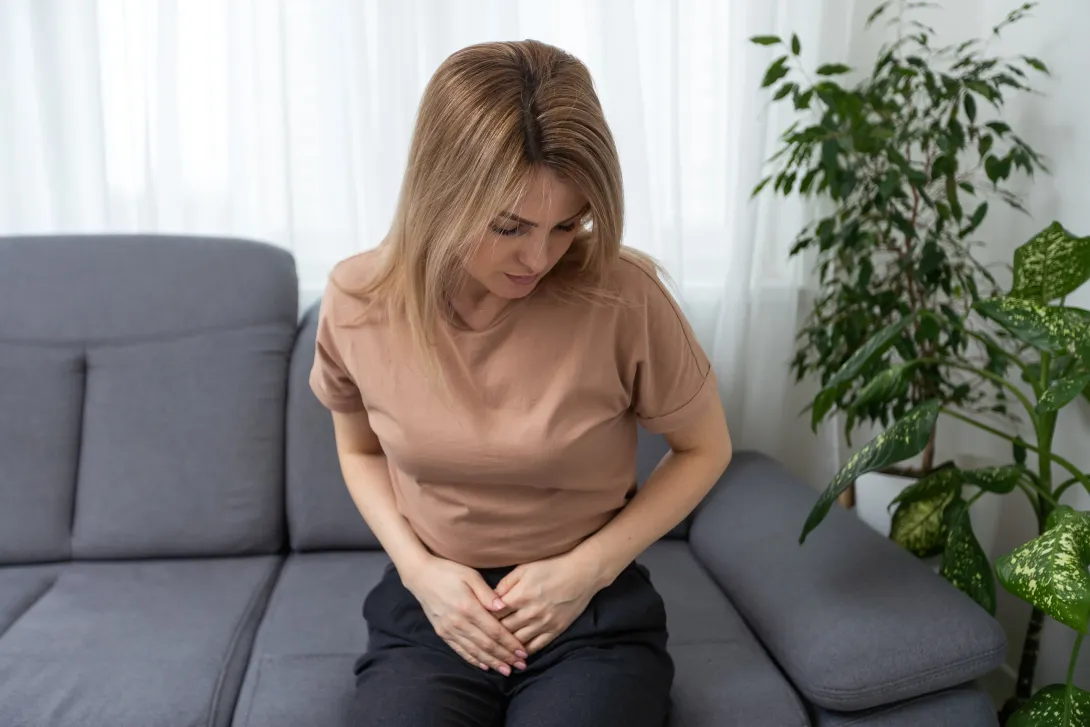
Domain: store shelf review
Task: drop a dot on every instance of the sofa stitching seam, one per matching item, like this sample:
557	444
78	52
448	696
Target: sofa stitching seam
232	645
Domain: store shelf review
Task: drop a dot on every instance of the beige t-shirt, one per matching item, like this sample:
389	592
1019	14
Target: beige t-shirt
533	449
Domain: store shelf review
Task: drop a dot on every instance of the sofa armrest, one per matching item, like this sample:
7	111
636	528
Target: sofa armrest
854	620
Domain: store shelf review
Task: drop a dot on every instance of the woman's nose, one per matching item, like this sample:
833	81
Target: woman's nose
534	255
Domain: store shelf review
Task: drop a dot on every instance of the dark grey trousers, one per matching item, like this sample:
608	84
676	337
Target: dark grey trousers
609	668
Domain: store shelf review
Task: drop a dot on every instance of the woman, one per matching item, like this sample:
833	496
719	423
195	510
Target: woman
487	367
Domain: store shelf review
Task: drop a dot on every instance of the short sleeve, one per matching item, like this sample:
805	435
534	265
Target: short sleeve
330	379
673	376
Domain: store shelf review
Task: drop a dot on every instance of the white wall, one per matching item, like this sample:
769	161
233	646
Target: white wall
1057	124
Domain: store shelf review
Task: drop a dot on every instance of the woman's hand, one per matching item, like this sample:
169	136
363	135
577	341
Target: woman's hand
460	605
544	597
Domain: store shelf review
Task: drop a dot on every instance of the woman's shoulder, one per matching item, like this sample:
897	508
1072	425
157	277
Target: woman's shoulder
350	294
636	277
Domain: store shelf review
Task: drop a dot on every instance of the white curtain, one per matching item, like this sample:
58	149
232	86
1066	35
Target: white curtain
289	121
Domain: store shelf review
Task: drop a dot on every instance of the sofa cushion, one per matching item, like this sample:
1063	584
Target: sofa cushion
313	631
135	644
182	449
320	513
41	397
20	587
962	706
181	405
724	677
854	620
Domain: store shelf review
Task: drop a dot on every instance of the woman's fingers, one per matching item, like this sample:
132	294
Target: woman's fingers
498	656
484	594
540	641
466	655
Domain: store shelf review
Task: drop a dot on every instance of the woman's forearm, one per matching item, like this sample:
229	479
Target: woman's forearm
671	492
368	480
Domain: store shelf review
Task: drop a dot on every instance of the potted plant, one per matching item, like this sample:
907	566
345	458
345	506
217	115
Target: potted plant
905	160
1043	363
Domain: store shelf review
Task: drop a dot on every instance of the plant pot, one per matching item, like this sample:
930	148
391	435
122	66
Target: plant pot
874	492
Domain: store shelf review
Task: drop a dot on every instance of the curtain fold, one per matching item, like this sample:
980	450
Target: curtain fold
289	121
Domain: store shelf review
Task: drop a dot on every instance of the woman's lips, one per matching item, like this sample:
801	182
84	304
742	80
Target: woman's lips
522	279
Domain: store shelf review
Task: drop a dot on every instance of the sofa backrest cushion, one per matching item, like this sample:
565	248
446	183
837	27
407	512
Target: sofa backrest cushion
149	413
321	514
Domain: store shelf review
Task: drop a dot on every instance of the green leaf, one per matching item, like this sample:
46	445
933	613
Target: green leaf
876	12
886	386
775	72
906	438
878	344
965	564
1000	480
796	46
1050	571
784	91
918	525
802	100
1048	328
1054	706
998	127
823	403
1036	64
761	185
970	107
1053	264
944	481
833	69
765	39
1062	392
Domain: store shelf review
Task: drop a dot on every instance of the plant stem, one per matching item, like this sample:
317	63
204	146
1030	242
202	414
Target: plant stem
1063	488
929	452
1071	676
1082	478
1030	647
1030	409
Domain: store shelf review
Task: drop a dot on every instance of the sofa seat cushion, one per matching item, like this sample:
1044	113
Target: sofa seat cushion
134	644
313	631
724	677
964	706
20	588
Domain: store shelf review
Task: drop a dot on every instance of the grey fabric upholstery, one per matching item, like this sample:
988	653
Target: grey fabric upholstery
964	706
300	671
41	402
301	668
20	587
320	512
152	372
854	620
724	677
134	644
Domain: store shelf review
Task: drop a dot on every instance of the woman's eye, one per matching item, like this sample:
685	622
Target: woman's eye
507	231
566	228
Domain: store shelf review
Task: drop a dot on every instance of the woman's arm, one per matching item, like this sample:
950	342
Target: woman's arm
699	453
455	598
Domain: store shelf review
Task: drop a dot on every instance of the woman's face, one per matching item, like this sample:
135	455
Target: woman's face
522	244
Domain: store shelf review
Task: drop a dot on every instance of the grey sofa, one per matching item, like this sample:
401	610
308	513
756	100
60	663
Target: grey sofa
177	547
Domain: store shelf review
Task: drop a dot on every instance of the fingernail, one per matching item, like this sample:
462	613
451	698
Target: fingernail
484	667
498	605
505	670
520	665
520	653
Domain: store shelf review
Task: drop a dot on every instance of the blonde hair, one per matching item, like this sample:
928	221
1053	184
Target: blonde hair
490	115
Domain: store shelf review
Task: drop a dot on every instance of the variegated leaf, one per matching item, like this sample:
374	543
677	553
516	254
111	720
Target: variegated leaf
1053	264
1050	571
964	562
918	525
1000	480
906	438
945	481
1056	705
1048	328
1062	392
